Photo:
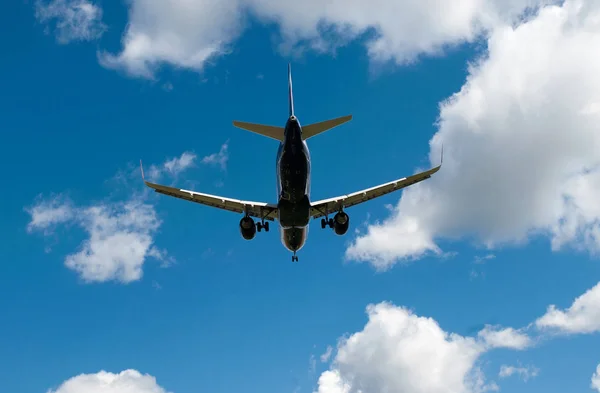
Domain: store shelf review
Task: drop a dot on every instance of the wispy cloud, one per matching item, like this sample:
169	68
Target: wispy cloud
325	356
312	364
524	372
76	20
220	158
482	259
46	214
156	285
172	167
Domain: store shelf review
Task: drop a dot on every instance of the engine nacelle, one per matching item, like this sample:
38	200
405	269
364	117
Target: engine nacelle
247	228
341	222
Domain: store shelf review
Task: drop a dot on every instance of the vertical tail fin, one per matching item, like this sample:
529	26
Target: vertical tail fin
290	94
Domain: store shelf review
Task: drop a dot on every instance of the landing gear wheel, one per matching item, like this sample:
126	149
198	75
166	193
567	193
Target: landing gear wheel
294	258
262	225
326	223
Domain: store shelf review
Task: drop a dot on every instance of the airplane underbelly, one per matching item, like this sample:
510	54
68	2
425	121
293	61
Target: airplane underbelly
293	214
293	177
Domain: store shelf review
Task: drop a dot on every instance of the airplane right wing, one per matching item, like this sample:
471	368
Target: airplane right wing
259	210
311	130
326	206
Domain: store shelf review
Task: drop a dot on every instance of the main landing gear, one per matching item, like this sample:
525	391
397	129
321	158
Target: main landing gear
327	223
262	225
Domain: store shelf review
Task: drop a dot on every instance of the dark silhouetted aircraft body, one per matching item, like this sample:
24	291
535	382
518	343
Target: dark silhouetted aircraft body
294	208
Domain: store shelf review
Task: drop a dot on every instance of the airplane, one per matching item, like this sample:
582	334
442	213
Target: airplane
294	208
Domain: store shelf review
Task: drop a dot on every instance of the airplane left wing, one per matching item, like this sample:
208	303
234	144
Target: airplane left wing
327	206
259	210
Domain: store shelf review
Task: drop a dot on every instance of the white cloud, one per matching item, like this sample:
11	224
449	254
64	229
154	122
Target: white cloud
185	33
520	147
398	351
312	364
120	238
177	165
481	260
120	234
495	337
596	379
173	166
524	372
327	354
583	316
182	33
128	381
46	214
76	20
220	158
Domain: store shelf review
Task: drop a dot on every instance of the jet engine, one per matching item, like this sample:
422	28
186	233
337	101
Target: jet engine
341	222
247	228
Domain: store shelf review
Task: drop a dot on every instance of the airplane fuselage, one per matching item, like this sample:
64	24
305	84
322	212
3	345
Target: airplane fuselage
293	186
294	209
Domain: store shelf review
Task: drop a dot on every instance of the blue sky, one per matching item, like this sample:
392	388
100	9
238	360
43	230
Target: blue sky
483	278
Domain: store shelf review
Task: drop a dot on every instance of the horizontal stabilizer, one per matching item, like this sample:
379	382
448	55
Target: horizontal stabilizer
316	128
268	131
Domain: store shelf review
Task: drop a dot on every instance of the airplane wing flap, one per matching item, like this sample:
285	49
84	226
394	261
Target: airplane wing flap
331	205
255	209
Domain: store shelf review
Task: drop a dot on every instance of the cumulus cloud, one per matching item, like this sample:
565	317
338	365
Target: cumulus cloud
520	147
120	237
128	381
583	316
596	379
398	351
120	234
181	33
496	337
75	20
524	372
187	33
